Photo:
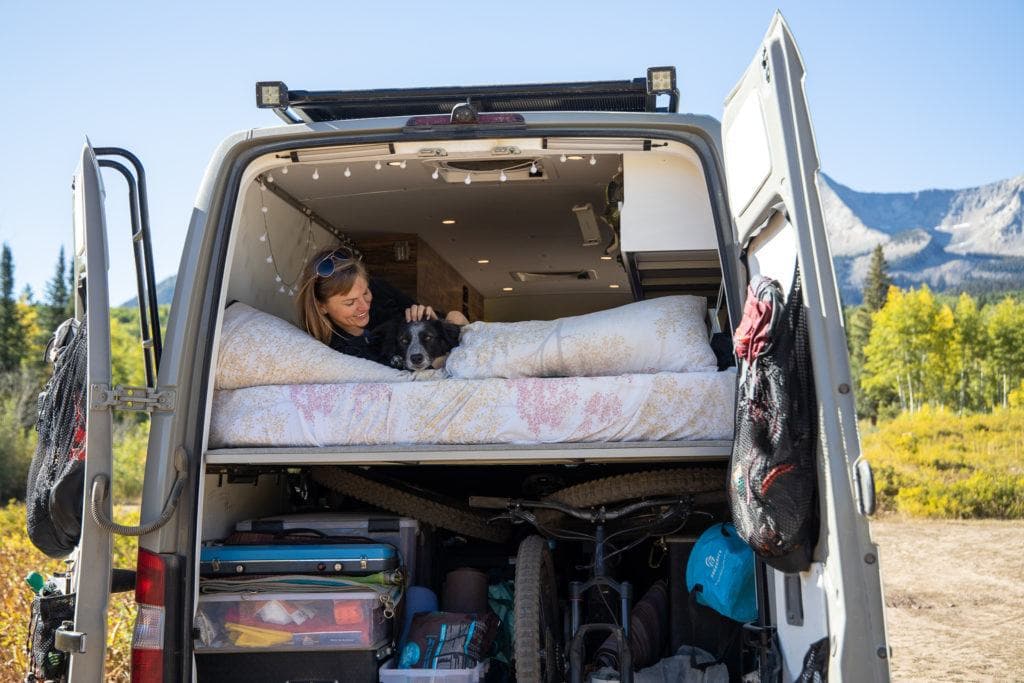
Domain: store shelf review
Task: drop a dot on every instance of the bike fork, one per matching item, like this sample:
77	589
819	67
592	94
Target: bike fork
577	589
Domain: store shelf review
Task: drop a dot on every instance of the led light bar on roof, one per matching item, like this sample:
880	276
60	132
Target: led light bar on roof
597	144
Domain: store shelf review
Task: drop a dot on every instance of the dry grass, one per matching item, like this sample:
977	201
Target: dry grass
935	463
17	558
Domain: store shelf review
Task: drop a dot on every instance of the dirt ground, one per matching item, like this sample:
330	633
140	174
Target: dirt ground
954	598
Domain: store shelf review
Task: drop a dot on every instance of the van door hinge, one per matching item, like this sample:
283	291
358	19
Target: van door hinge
66	640
138	399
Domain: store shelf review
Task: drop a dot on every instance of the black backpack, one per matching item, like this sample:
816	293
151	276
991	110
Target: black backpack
773	476
56	477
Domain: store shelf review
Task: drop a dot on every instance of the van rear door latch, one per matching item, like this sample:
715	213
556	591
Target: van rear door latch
138	399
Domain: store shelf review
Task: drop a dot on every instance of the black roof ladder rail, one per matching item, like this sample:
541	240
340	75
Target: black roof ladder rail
145	283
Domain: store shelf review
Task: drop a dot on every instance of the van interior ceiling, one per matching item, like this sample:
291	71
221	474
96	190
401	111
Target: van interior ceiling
503	231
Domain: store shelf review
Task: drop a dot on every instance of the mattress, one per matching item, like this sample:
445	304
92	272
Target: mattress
636	407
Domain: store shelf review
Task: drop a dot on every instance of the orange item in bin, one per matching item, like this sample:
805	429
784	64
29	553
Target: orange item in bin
349	613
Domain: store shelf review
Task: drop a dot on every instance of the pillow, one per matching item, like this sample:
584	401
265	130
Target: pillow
667	334
257	349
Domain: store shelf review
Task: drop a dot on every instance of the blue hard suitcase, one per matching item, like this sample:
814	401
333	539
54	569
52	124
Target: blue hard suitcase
351	559
412	540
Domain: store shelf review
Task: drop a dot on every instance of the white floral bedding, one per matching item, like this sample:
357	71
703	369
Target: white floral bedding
639	407
667	334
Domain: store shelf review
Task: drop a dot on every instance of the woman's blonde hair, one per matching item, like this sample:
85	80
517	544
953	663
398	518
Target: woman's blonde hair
315	289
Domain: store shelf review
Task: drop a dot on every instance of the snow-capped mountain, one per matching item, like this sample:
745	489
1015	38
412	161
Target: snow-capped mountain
969	239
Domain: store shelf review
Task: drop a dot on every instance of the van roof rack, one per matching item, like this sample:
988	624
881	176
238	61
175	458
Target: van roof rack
308	106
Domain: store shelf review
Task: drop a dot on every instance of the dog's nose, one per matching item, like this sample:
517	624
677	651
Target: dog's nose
416	358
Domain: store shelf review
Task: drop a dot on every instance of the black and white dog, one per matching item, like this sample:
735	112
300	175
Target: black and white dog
417	345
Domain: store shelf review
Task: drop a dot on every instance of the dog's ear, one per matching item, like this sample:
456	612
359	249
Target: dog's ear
450	333
385	340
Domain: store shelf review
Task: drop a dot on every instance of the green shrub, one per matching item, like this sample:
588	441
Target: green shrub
130	442
17	445
18	557
935	463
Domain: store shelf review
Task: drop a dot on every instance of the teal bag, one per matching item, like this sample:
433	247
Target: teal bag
721	571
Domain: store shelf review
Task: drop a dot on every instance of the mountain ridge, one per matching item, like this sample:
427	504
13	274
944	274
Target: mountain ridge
967	239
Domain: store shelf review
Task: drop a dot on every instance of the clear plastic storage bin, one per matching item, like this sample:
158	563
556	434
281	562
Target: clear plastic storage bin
389	674
265	622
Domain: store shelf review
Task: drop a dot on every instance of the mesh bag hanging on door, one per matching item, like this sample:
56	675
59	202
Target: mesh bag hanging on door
53	498
49	612
773	478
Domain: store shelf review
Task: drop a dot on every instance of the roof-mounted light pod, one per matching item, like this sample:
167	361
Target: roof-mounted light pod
661	80
271	95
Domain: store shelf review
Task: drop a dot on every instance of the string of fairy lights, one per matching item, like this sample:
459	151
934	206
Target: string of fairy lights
288	284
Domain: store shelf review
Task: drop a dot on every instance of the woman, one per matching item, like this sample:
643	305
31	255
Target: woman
339	302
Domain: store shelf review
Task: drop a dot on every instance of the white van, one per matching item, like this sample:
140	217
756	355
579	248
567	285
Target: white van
510	204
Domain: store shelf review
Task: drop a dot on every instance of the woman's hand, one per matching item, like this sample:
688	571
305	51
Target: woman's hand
419	312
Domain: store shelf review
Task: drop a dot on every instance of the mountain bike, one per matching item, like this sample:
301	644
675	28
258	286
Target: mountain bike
541	642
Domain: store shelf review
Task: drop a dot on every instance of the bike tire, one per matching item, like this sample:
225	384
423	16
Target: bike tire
636	485
409	505
537	648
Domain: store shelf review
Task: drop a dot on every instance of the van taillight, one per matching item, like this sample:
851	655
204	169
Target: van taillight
432	120
148	636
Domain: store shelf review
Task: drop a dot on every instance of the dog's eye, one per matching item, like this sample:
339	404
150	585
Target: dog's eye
428	337
405	340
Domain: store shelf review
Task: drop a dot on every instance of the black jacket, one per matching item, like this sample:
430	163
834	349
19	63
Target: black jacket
388	303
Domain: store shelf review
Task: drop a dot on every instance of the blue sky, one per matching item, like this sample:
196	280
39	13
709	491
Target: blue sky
904	96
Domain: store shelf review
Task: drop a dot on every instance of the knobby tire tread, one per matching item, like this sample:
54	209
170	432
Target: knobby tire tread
636	485
534	581
410	505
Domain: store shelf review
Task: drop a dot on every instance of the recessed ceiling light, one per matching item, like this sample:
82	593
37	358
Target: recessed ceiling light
482	261
506	289
613	286
448	221
394	163
575	157
606	258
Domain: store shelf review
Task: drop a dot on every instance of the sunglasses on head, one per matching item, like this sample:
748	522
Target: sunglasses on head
339	259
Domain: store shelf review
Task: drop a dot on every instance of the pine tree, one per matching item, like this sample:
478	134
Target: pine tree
858	329
13	345
57	297
858	332
876	286
69	310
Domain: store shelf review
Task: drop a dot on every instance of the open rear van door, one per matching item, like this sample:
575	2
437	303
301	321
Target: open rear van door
771	166
86	640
